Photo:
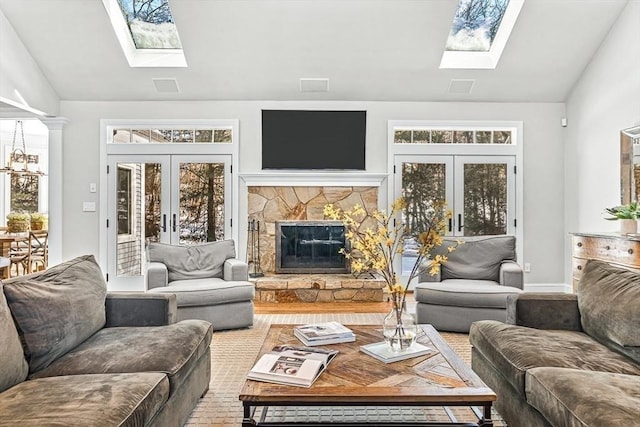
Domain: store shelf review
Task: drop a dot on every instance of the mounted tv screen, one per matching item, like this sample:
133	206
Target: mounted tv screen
307	139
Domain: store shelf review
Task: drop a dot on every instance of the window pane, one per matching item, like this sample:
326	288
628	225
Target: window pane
422	183
140	136
201	202
442	137
182	135
222	135
24	193
152	201
463	137
402	137
151	24
421	136
203	135
121	136
124	200
483	137
475	24
485	199
161	135
502	137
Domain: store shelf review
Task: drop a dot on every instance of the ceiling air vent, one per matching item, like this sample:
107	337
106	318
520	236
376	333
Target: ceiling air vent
461	86
166	85
314	85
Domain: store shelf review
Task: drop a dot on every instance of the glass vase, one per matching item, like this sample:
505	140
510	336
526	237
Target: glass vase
399	328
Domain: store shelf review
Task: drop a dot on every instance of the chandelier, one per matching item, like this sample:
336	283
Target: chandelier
19	162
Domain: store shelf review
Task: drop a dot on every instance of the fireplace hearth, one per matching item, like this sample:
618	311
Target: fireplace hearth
310	247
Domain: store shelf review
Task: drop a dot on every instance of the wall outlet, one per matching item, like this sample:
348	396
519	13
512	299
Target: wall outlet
527	267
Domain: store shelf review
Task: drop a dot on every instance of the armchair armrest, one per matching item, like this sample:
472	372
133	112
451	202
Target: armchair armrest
544	311
235	270
511	274
156	275
140	309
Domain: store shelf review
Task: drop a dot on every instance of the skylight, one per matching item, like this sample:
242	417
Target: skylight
147	32
479	33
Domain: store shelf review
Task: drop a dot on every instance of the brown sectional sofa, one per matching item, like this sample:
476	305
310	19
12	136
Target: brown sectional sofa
74	355
566	359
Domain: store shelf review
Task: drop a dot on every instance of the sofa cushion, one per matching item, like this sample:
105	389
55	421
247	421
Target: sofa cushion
464	293
577	398
83	400
478	258
193	262
14	368
172	349
513	350
198	292
57	309
608	299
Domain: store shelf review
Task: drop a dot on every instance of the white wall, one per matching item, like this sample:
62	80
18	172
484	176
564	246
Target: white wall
543	164
22	83
604	101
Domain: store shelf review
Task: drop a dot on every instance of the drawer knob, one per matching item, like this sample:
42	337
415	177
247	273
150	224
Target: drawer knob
630	251
579	244
579	267
607	247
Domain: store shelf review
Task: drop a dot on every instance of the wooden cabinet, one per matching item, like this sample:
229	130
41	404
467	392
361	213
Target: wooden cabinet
623	251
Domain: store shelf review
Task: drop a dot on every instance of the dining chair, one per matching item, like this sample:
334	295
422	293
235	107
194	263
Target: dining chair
38	251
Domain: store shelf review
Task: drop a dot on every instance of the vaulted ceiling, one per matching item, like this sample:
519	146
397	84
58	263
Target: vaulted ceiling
384	50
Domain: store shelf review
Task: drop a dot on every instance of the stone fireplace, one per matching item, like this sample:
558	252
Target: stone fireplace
279	205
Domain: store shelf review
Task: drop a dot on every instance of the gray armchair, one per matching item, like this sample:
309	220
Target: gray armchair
472	285
209	283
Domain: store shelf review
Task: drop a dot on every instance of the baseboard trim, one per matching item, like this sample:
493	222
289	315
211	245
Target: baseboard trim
548	287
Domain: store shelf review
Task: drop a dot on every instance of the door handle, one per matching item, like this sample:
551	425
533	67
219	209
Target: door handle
460	222
174	225
450	224
164	223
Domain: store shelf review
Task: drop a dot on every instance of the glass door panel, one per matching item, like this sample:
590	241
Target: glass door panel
485	199
203	208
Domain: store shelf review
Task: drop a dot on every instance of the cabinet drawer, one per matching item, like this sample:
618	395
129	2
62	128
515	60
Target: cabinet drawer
577	265
620	251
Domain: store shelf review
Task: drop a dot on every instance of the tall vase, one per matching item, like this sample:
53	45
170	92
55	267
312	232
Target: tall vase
399	328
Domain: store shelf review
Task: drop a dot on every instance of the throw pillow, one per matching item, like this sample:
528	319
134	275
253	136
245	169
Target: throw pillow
193	262
608	300
14	368
479	258
57	309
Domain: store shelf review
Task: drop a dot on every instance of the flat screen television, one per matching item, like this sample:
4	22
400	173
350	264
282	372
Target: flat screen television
311	139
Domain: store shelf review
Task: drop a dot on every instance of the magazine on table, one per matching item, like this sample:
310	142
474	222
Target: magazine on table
382	352
323	333
292	365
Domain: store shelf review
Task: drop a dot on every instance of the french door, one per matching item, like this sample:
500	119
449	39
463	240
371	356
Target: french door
479	190
176	199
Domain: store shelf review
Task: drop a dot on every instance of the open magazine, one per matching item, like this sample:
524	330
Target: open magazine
291	365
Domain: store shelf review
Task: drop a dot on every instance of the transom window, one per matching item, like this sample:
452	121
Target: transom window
168	136
450	136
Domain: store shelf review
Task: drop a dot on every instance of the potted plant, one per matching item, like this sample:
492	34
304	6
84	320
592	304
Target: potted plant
39	221
17	222
627	215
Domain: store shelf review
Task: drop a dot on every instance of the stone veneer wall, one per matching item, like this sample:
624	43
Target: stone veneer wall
270	204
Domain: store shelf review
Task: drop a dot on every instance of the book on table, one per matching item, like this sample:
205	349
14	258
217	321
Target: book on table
291	365
382	352
323	333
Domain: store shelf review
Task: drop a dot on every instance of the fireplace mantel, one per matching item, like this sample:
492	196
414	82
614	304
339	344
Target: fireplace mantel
310	178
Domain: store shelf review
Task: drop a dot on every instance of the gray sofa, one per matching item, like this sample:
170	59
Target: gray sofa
472	285
74	355
566	359
208	281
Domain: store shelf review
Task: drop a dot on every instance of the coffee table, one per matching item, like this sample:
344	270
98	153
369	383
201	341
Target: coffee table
353	378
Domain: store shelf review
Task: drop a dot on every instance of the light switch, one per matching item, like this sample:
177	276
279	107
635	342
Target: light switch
88	206
93	187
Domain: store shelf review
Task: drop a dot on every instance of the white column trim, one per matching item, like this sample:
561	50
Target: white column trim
56	186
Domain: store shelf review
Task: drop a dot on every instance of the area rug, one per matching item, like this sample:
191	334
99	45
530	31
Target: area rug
234	352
